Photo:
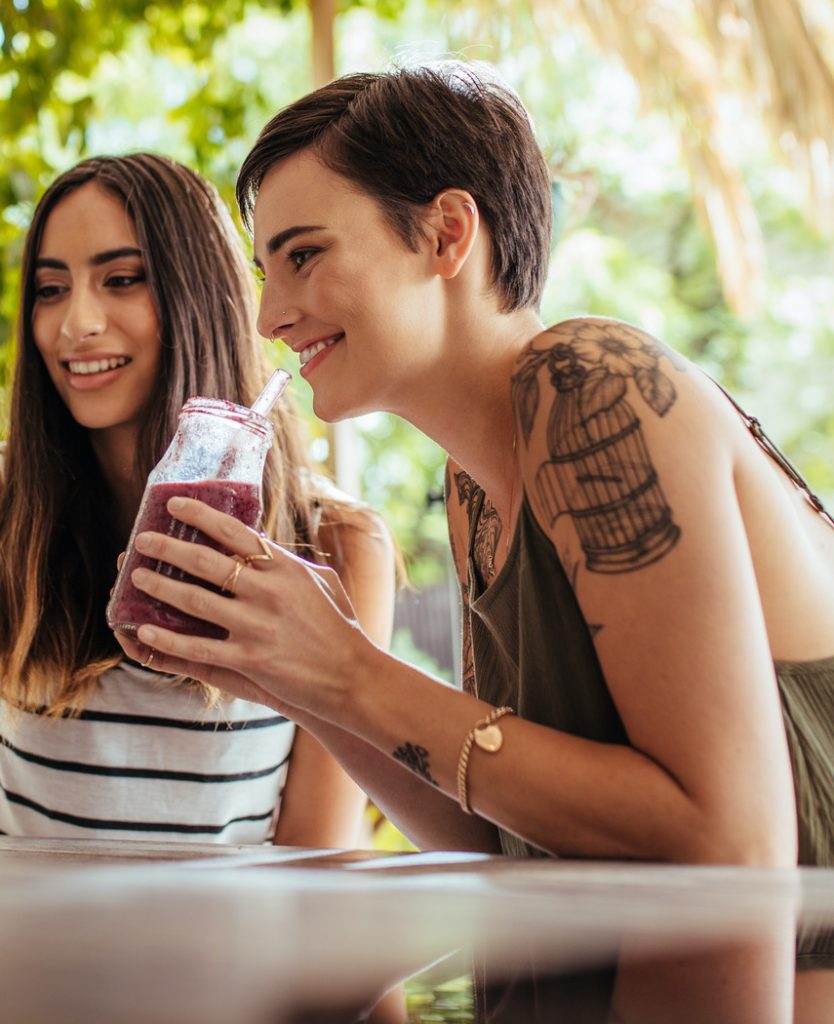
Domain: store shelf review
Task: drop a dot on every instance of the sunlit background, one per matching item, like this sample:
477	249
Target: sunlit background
691	144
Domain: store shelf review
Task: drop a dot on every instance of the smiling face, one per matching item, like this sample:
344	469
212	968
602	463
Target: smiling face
94	320
342	289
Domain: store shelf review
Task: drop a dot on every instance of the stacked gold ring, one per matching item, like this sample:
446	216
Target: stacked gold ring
229	585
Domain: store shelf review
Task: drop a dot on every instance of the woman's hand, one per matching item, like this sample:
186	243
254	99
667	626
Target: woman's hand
231	682
291	626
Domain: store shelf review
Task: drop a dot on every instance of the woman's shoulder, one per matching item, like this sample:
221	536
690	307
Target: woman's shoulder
600	376
129	690
348	530
338	510
598	344
619	432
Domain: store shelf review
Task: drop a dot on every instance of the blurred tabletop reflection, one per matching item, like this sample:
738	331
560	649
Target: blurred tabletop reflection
147	933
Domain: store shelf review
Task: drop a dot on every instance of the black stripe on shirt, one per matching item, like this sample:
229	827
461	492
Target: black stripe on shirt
138	773
132	826
166	723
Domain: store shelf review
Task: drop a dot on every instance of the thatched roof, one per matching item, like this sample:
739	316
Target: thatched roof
776	54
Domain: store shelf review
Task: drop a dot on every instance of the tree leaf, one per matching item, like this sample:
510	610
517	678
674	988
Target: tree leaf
656	388
525	395
600	391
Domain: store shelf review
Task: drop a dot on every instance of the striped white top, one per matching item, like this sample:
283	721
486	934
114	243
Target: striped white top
145	759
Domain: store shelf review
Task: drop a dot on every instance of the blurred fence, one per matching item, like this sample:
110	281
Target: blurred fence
431	615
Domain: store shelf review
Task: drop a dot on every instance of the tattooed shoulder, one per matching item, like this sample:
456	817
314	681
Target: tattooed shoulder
598	470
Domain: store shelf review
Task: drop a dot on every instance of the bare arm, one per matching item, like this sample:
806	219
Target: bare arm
321	805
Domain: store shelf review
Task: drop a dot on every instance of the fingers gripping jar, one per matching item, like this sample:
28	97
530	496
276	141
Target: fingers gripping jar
217	456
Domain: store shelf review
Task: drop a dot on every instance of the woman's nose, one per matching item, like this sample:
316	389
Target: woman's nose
274	317
85	315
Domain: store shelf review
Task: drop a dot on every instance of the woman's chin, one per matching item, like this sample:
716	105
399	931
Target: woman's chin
331	409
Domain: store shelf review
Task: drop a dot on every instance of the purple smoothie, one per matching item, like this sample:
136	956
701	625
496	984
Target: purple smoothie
130	608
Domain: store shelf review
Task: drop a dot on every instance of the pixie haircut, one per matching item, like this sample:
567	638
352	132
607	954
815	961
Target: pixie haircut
405	135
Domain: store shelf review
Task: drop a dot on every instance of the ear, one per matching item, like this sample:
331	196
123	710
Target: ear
452	227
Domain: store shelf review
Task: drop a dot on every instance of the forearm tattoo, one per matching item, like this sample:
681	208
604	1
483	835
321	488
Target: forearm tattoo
599	472
417	759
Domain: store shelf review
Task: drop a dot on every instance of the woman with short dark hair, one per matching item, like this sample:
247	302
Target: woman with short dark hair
648	588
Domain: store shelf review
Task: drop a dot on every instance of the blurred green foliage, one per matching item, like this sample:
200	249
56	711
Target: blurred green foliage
429	1001
197	80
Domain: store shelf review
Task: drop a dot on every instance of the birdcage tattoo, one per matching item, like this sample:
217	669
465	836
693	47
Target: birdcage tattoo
599	470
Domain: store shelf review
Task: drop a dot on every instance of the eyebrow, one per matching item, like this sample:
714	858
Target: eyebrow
282	237
97	260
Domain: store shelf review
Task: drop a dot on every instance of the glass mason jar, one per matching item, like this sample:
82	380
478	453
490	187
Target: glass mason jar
217	455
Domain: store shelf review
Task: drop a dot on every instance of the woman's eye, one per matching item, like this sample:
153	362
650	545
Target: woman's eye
45	292
298	257
124	280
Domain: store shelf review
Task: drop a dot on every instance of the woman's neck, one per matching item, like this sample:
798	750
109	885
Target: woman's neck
115	451
469	410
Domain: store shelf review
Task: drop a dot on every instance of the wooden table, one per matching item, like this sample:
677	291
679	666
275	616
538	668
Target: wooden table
152	933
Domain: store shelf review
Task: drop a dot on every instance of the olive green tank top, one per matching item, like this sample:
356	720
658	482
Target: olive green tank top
533	650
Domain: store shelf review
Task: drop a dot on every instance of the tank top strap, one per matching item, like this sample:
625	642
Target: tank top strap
781	460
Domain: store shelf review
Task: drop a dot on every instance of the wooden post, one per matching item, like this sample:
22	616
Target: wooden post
343	457
323	13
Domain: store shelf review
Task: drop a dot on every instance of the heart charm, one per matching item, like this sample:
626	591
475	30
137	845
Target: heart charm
489	737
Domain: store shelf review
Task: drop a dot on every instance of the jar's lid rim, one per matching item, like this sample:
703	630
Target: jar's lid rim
244	415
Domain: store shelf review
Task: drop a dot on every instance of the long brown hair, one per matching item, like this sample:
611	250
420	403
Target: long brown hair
58	531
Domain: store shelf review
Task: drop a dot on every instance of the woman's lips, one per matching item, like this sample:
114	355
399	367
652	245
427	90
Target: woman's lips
312	355
91	374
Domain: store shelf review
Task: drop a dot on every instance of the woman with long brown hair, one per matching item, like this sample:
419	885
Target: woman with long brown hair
135	297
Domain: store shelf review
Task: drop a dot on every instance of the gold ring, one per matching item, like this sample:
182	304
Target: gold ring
229	585
266	555
147	662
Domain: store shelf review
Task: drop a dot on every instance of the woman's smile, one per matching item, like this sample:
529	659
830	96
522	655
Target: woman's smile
312	354
94	371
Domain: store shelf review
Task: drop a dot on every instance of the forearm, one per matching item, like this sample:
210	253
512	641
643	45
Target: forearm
426	816
321	806
567	795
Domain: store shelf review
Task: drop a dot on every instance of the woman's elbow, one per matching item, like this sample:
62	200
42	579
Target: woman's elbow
759	845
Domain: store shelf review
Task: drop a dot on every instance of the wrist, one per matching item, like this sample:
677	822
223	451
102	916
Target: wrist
354	693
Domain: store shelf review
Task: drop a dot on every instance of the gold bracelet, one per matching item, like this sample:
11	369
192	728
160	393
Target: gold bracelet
489	738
